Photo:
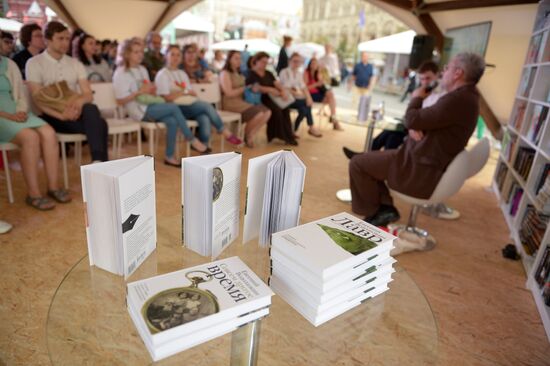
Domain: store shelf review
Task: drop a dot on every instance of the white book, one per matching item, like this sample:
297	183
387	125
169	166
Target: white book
331	245
180	303
313	296
210	202
274	188
322	286
204	335
121	227
316	318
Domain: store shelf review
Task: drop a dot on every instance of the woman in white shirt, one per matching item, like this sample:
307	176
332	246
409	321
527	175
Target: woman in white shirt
134	90
84	50
174	86
292	78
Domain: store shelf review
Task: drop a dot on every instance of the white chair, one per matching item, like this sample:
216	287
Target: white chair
63	139
464	165
4	148
104	98
211	93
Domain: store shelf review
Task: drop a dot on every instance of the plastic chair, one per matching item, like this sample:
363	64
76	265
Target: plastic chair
4	148
464	165
104	98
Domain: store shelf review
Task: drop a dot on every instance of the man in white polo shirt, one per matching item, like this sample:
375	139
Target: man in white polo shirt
80	116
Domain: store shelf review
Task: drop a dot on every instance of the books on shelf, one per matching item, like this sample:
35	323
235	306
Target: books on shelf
519	114
500	176
542	272
328	266
543	178
532	228
540	113
509	142
534	49
274	189
527	79
524	161
512	196
210	202
176	311
119	198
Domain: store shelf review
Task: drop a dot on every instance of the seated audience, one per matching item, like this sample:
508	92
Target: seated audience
319	92
190	64
173	83
202	57
8	44
153	59
233	88
79	115
279	125
34	137
292	79
218	62
85	50
437	134
137	94
32	40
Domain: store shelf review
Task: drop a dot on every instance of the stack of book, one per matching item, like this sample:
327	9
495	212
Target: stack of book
532	229
327	267
542	189
524	160
179	310
500	176
537	123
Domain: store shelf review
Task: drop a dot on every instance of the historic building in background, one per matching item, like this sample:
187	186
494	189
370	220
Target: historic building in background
345	23
28	11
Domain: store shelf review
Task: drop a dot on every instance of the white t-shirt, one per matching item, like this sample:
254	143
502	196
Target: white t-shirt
45	70
330	61
166	80
128	81
292	79
433	98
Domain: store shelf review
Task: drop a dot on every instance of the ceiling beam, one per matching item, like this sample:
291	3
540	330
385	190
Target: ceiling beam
402	4
431	27
72	23
169	5
469	4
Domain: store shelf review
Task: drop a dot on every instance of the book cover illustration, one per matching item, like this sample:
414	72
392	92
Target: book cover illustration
350	242
217	183
181	305
129	223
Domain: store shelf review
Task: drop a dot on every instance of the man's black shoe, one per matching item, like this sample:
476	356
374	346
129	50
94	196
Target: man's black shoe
349	153
385	215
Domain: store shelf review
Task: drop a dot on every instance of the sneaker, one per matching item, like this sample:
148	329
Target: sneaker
4	227
234	140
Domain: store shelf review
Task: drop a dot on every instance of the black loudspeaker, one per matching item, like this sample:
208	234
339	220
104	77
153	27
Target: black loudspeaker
422	50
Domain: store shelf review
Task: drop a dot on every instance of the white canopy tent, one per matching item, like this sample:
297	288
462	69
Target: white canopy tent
10	25
308	49
190	22
254	45
400	43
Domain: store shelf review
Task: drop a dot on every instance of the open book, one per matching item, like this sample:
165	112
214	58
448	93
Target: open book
274	190
210	202
120	213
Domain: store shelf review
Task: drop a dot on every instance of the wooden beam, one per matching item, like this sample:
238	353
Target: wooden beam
72	23
402	4
169	6
489	117
469	4
431	27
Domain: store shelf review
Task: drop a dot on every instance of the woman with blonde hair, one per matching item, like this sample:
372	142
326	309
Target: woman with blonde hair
134	90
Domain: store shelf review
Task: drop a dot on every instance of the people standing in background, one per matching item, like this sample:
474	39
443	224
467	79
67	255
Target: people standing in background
330	62
153	60
202	58
8	44
411	86
196	72
218	62
32	39
85	51
364	78
283	54
245	56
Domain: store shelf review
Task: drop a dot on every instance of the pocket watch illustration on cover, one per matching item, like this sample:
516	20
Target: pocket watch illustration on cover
176	306
217	183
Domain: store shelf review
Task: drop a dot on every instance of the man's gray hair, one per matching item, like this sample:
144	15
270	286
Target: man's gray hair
150	36
473	66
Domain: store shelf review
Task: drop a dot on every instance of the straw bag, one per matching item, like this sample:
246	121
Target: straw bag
55	96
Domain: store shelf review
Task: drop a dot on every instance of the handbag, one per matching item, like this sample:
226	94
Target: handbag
55	96
185	100
281	103
252	97
147	99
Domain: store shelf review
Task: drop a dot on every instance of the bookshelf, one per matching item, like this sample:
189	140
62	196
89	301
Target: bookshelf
522	175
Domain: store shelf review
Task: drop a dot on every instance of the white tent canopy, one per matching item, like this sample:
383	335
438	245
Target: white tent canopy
190	22
254	45
10	25
308	49
396	43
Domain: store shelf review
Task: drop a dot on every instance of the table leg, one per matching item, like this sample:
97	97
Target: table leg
245	343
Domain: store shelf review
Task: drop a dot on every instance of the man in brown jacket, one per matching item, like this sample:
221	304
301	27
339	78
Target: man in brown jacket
436	135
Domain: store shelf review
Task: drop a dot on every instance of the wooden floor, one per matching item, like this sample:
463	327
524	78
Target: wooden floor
484	314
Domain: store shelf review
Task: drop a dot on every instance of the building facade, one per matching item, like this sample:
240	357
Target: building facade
345	23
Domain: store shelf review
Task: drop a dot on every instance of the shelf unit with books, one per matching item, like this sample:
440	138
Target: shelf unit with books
522	177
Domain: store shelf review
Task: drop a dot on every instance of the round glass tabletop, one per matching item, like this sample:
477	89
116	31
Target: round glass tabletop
88	323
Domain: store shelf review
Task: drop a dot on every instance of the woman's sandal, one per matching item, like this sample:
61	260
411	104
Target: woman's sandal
40	203
60	195
249	142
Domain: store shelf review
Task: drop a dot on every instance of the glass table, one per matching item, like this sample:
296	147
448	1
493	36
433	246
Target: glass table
88	323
